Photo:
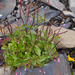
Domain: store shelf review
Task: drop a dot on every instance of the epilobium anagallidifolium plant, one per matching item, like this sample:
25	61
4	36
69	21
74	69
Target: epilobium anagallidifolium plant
27	47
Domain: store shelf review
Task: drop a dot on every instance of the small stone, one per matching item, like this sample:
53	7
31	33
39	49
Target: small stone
67	25
18	6
22	2
15	11
67	19
73	28
9	16
12	19
18	15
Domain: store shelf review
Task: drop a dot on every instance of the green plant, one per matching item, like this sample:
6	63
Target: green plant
28	48
72	73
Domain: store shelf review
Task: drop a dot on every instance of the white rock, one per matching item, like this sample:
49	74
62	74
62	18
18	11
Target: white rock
68	13
67	39
1	15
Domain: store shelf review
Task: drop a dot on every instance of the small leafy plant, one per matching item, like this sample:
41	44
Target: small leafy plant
28	48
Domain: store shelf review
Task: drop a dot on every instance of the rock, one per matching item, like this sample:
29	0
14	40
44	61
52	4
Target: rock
22	2
72	5
67	39
18	15
12	19
18	6
57	21
73	19
56	4
7	71
15	11
73	28
51	68
5	29
67	25
68	13
68	20
49	14
9	16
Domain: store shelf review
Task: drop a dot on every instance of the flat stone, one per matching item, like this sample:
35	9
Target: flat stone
68	13
67	39
56	4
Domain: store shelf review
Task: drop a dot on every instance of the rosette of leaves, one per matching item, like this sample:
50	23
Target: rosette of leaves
28	48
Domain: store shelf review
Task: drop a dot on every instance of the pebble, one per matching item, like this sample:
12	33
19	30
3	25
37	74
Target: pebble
17	15
67	25
9	16
67	19
73	28
12	19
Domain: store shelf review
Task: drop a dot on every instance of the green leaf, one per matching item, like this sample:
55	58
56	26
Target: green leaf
29	26
37	50
33	32
42	58
40	44
9	45
33	63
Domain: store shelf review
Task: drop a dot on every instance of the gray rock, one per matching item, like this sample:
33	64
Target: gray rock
73	19
49	14
68	13
72	5
51	68
67	19
67	39
56	4
12	19
18	15
63	20
9	16
67	25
